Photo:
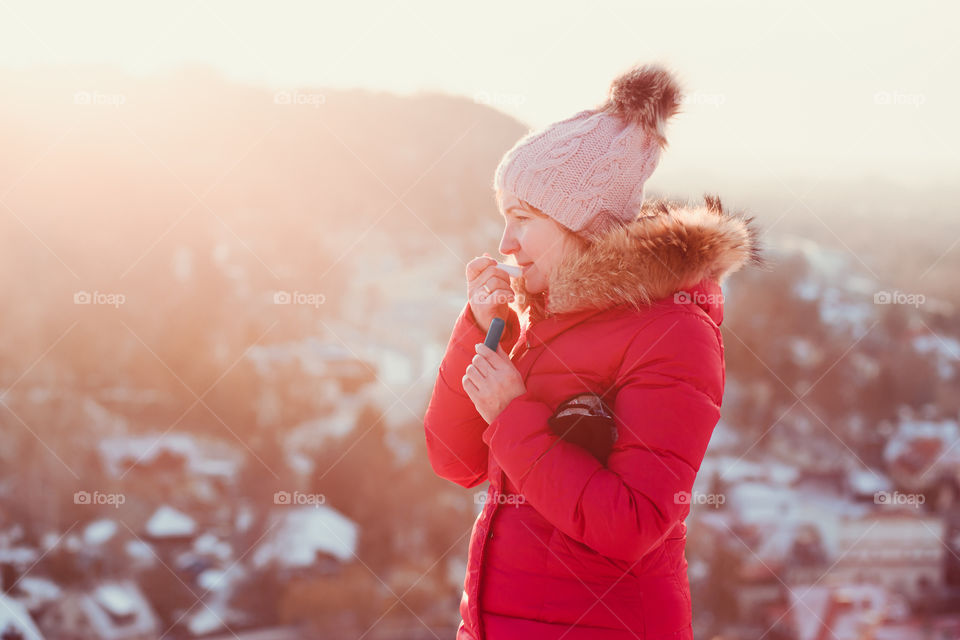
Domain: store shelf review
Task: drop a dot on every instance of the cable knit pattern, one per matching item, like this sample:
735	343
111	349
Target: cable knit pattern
595	163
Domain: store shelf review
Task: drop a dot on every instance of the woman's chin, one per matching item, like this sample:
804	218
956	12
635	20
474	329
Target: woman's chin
531	288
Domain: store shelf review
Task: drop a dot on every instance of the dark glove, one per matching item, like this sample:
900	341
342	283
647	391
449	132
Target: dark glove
586	421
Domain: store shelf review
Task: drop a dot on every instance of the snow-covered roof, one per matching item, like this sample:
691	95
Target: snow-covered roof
203	457
757	502
99	531
116	609
18	555
209	544
299	533
724	437
843	293
734	469
214	613
168	522
780	511
38	587
314	433
865	482
34	593
205	619
804	351
115	599
849	610
211	579
141	552
946	349
920	447
14	616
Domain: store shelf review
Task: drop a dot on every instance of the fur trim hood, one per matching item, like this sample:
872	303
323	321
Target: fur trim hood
669	247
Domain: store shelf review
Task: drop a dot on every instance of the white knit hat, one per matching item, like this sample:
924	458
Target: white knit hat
588	170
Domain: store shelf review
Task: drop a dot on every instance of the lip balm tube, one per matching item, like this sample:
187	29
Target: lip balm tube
493	333
514	271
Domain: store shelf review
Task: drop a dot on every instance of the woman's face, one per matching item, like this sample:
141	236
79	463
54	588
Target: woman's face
533	239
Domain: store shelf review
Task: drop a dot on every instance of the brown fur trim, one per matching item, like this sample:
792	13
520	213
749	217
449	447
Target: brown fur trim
670	246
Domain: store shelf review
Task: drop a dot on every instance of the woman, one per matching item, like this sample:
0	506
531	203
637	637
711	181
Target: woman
591	419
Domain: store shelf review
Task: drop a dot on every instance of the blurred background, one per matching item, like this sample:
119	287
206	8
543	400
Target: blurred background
233	246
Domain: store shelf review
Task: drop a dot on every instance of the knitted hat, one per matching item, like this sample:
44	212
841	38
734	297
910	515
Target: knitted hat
587	172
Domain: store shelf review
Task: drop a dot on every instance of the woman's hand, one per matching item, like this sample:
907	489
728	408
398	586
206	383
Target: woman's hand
492	381
488	290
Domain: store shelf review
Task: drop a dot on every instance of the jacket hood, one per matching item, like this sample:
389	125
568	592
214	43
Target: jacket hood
670	247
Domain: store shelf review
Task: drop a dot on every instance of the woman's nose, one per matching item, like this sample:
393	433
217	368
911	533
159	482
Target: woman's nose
508	241
508	245
507	249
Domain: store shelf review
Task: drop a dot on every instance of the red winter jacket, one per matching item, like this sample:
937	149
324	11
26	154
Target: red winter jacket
582	531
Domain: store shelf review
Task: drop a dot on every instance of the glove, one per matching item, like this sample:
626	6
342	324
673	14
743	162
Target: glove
587	422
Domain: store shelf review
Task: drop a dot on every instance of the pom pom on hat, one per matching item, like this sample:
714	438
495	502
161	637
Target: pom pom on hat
647	96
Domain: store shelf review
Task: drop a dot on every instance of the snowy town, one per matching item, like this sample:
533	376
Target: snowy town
801	532
228	297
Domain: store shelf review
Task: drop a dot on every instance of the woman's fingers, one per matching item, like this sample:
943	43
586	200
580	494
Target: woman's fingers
488	358
474	373
496	296
478	265
482	365
490	275
470	387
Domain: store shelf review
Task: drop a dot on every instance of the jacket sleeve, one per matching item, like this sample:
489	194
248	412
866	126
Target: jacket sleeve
453	427
669	391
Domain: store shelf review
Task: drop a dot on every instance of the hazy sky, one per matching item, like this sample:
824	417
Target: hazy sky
774	90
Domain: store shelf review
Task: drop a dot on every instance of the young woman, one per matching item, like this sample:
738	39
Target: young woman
591	419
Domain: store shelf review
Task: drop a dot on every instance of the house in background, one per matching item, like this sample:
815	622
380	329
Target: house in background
112	610
15	621
900	549
315	540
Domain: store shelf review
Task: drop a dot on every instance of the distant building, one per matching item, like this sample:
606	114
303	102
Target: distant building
176	453
921	454
851	612
15	621
314	539
900	549
114	610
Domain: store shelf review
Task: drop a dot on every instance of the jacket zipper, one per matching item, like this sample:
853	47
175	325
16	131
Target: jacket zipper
493	512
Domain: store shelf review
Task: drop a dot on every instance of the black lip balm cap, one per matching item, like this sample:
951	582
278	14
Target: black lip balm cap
494	333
